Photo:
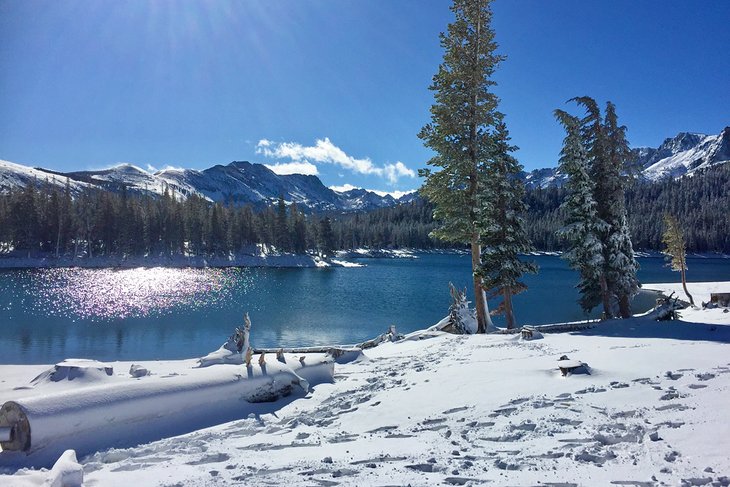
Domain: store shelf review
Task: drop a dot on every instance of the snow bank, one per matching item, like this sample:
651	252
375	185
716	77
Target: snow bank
701	293
83	371
244	260
66	472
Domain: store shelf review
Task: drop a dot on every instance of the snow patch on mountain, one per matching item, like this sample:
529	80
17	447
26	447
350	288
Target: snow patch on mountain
685	154
677	156
16	176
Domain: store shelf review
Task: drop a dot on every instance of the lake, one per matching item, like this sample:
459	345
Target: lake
47	315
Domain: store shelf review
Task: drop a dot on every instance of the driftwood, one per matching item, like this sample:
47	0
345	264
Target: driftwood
458	312
666	308
557	328
249	354
720	299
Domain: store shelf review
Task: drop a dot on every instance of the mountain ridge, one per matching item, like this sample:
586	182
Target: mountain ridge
244	182
676	156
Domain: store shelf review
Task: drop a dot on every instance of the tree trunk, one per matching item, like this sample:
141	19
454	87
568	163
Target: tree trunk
684	284
624	306
58	237
508	311
480	301
605	297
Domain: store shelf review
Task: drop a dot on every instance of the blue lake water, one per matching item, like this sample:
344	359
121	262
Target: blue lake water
47	315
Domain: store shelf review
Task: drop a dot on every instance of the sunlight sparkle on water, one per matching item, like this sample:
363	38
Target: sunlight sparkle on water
123	293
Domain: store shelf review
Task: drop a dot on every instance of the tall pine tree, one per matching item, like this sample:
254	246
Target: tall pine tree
608	167
502	227
464	112
583	227
621	265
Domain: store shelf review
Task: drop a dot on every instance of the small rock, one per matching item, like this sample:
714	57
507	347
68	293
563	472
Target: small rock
138	371
327	460
655	436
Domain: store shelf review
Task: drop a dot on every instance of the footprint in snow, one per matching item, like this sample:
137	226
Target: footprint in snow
591	389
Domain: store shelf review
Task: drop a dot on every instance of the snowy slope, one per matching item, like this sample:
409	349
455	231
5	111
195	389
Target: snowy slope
469	410
16	176
685	154
675	157
237	182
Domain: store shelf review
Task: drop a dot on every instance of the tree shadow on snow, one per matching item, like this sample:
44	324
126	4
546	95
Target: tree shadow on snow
671	330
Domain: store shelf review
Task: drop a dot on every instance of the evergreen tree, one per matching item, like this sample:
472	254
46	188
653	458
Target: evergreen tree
674	243
608	157
298	230
281	232
326	237
462	117
621	266
501	226
583	228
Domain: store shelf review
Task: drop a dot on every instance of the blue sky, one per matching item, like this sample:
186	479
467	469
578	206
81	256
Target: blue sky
336	87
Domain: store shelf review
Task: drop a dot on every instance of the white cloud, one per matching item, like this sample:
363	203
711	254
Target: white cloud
343	188
283	168
395	171
394	194
325	152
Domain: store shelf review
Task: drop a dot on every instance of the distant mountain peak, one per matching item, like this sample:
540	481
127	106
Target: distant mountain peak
677	156
238	182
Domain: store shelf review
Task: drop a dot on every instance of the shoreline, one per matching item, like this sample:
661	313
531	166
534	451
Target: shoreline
644	407
198	262
342	258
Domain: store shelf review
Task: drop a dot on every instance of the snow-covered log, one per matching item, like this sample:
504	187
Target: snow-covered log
556	328
128	411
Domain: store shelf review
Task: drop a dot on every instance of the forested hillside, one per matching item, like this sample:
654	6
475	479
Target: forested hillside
49	221
700	203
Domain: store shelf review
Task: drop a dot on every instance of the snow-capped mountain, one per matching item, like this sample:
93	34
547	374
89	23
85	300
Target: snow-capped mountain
675	157
236	183
16	176
684	154
247	183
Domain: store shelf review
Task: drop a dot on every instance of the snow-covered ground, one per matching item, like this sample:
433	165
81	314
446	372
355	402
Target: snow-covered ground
465	410
259	259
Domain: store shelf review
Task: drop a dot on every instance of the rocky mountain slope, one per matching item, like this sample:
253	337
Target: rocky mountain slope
675	157
237	183
248	183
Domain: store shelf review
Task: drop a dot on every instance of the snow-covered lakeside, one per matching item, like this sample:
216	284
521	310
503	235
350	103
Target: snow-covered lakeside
460	410
260	259
178	261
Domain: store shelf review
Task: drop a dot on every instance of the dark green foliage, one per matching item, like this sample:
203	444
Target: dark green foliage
326	238
402	226
582	228
501	226
42	219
